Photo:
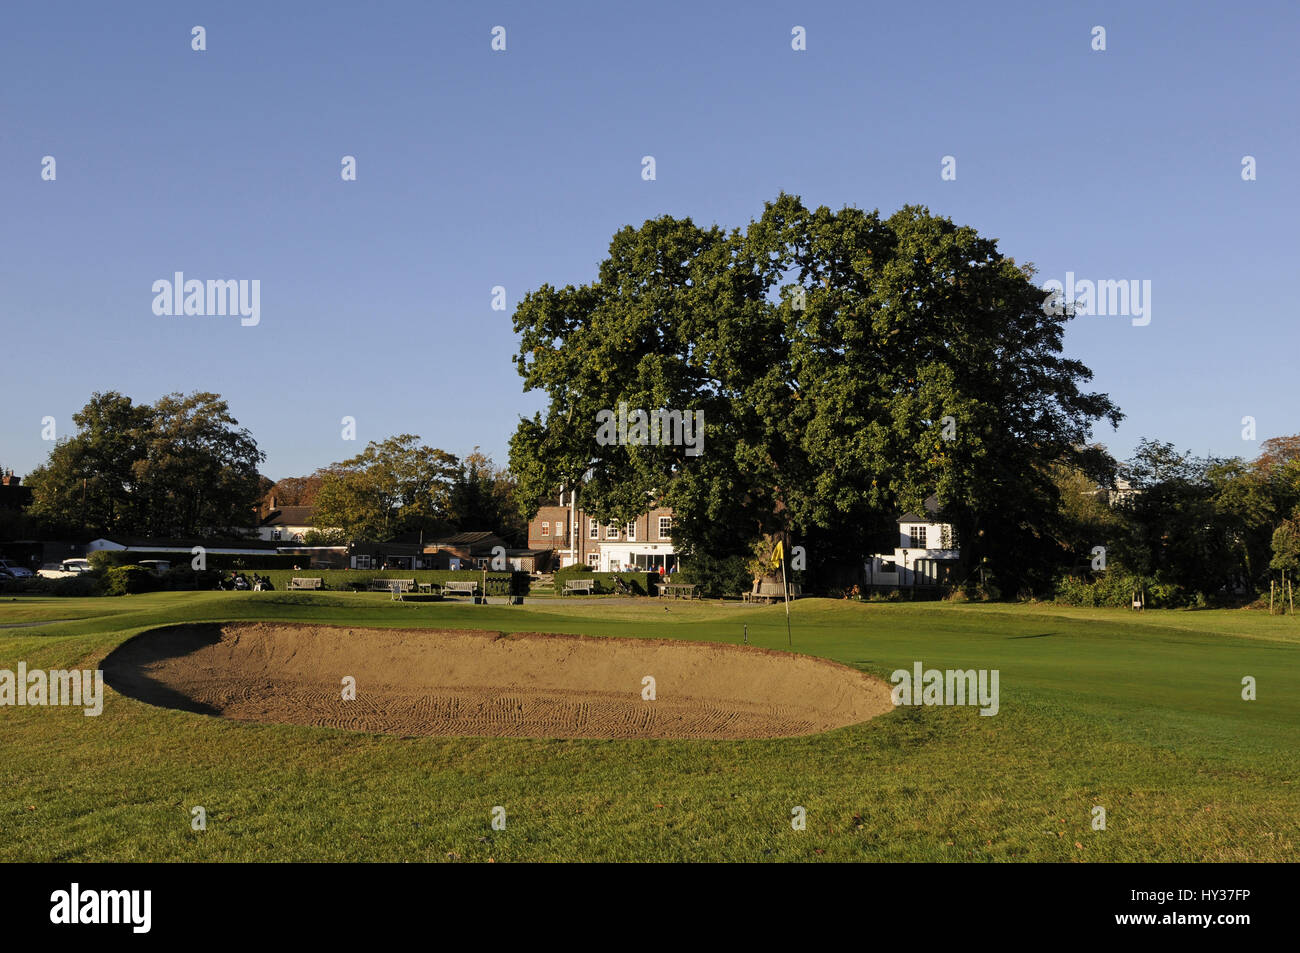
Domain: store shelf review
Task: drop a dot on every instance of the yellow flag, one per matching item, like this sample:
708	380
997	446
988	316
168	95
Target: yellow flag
778	554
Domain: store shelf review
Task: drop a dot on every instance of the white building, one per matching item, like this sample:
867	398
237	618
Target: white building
927	552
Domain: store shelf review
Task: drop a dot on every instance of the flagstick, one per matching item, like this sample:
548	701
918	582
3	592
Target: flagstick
788	639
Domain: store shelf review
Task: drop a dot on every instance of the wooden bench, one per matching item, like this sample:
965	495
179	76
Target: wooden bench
769	592
312	583
678	590
396	586
579	585
463	587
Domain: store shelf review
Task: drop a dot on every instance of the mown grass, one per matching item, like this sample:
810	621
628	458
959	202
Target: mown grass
1142	715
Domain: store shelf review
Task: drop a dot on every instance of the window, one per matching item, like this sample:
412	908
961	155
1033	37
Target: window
611	531
593	560
546	528
665	526
363	562
275	534
593	531
559	530
630	529
918	537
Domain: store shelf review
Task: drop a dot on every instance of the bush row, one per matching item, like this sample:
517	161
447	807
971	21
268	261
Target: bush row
122	580
1115	588
104	558
640	583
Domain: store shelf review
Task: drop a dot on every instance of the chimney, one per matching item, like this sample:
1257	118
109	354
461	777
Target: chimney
11	480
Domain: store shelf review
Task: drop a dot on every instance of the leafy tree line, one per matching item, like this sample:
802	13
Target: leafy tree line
400	485
1202	528
183	466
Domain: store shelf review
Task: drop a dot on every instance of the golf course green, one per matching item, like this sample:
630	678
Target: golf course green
1141	715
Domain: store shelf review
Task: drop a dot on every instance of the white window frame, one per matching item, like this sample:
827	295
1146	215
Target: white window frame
559	529
917	536
593	529
546	527
630	531
611	531
665	527
593	560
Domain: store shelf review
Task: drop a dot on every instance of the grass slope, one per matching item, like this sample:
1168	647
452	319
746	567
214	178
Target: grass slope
1140	714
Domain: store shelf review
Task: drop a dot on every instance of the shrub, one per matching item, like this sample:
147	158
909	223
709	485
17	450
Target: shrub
128	580
1114	589
728	576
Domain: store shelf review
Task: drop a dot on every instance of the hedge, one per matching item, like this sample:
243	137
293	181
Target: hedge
217	561
1115	589
641	583
127	580
498	583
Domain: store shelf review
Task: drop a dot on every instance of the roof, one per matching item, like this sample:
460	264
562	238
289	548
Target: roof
932	514
175	544
290	516
461	539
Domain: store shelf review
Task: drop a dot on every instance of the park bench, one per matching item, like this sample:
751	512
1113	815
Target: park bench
579	585
464	587
396	586
678	590
769	592
386	585
311	583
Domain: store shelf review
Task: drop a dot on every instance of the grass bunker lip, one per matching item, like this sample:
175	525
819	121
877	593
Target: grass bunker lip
483	683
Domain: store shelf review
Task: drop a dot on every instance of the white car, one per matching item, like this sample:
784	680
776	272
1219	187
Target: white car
69	567
14	571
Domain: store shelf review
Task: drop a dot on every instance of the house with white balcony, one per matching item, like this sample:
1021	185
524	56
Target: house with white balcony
927	555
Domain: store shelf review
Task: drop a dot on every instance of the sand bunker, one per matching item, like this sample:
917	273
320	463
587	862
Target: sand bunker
440	682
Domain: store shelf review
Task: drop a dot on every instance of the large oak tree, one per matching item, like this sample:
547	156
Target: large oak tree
848	366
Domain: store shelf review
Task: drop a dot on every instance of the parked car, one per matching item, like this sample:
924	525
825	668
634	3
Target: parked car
69	567
156	566
15	571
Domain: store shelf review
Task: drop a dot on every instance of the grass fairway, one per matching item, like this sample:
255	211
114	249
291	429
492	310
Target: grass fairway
1142	715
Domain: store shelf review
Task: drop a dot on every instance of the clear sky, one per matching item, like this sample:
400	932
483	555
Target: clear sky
478	168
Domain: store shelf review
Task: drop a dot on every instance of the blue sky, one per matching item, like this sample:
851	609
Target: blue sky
478	168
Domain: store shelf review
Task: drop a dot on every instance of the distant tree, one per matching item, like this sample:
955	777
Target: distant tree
179	467
1286	547
1278	451
294	491
482	497
89	480
199	470
392	486
1174	532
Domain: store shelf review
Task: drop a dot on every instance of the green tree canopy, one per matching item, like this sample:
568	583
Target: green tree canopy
392	486
179	467
847	365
